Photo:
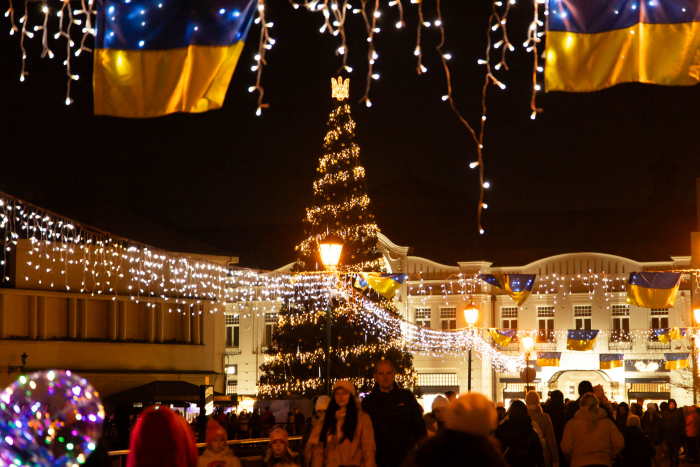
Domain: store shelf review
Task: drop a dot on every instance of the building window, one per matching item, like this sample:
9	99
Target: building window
659	320
232	387
232	331
438	379
545	321
621	323
423	317
509	319
271	320
582	317
448	318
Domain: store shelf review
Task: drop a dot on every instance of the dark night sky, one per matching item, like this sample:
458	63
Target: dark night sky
612	171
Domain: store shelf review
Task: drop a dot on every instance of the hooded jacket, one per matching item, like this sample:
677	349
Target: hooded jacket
520	443
161	437
358	452
551	451
691	422
654	427
638	450
225	458
675	424
591	447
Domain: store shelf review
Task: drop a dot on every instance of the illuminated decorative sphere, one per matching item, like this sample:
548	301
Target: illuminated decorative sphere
49	418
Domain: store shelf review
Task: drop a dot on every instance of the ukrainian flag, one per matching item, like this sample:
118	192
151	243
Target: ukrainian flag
502	336
156	57
608	361
653	289
667	335
385	284
548	358
674	361
581	339
517	286
595	44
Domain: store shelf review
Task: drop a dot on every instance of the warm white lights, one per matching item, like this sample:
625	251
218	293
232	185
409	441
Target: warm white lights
471	314
528	343
330	250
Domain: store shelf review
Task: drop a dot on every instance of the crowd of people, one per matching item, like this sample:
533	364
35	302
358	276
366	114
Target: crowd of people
389	429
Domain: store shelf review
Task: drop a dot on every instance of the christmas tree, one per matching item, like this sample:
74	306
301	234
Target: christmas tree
295	362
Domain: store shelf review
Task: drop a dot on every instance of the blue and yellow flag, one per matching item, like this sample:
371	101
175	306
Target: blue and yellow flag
156	57
502	336
670	334
653	289
674	361
548	358
581	339
385	284
517	286
595	44
608	361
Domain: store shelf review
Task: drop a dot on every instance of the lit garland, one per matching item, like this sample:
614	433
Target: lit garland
296	385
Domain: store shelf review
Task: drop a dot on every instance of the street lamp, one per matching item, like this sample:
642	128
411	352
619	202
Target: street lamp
529	344
471	315
12	369
330	250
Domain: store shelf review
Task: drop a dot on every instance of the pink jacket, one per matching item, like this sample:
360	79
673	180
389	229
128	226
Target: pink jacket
691	422
359	452
596	447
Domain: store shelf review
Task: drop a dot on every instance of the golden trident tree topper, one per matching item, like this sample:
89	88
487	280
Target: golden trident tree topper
340	90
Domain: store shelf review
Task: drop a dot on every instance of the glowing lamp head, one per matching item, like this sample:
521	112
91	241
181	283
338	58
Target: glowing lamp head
471	314
330	250
696	312
528	342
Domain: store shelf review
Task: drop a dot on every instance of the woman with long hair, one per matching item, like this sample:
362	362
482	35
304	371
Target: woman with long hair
344	436
621	414
591	438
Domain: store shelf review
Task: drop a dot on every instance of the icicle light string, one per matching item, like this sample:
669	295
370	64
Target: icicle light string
264	45
372	55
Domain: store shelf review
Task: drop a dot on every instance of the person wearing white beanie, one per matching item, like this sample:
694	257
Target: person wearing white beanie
436	423
534	410
306	448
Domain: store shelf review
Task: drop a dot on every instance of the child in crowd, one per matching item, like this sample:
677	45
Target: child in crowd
279	454
217	453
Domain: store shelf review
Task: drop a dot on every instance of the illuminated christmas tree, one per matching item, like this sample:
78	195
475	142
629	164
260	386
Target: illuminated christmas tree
295	362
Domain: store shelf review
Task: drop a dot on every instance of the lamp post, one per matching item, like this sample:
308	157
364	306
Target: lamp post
11	369
471	315
529	344
330	250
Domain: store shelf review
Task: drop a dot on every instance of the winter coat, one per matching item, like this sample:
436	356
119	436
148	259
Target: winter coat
225	458
358	452
288	460
691	423
675	424
586	447
255	425
397	422
654	427
558	418
551	452
638	450
520	443
621	421
452	449
306	447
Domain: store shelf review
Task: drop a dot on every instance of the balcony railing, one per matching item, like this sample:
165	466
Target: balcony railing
620	340
511	347
655	344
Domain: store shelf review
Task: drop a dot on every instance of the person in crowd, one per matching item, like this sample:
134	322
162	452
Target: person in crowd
591	438
604	403
520	442
306	448
217	453
255	424
268	420
640	402
500	412
396	416
439	411
279	454
450	396
232	426
654	427
290	423
556	410
534	410
621	416
243	425
691	433
466	440
299	421
636	409
344	436
638	450
160	437
584	387
674	434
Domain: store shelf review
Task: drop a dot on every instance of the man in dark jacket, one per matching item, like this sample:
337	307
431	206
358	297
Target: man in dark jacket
675	431
396	417
584	387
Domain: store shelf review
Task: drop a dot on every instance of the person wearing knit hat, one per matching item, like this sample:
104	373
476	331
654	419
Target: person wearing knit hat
344	435
161	437
466	439
320	407
436	423
279	454
217	453
534	409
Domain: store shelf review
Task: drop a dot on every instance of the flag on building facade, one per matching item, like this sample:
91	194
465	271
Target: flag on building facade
581	339
154	57
517	286
502	336
593	45
385	284
674	361
653	289
608	361
548	358
670	334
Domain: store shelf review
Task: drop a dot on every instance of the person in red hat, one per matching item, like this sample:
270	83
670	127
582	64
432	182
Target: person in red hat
217	453
161	438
